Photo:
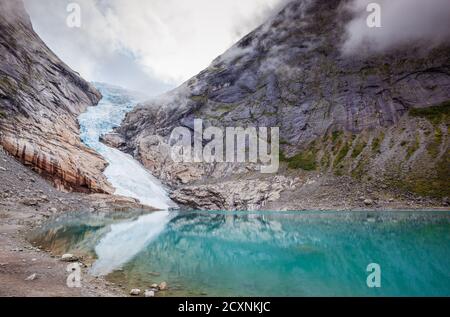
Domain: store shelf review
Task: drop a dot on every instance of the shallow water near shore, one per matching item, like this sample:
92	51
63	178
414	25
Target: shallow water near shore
262	253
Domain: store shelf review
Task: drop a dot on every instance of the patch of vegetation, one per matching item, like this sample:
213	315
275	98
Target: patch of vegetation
342	153
413	147
434	146
282	157
226	107
339	171
358	171
337	139
358	148
336	147
335	136
305	160
403	143
436	185
435	114
199	99
376	143
325	161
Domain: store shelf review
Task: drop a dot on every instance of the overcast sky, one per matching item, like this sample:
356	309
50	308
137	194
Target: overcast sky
147	45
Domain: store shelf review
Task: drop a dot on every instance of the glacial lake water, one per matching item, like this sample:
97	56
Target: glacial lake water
261	254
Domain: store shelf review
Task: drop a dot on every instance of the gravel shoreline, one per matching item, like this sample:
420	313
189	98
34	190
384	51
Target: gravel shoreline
26	201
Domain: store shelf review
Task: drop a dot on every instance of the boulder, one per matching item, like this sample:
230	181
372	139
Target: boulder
135	292
149	293
69	258
162	286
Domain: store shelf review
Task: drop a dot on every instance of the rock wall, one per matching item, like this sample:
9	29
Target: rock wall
377	118
40	99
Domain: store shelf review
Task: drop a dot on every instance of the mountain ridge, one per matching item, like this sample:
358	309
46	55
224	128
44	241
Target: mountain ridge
339	116
38	117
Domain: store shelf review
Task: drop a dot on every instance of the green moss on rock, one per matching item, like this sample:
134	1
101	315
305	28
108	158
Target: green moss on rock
435	184
325	161
435	114
358	171
335	136
305	160
376	143
434	146
358	148
342	154
413	147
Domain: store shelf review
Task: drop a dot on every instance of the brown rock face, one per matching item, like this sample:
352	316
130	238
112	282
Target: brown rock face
40	99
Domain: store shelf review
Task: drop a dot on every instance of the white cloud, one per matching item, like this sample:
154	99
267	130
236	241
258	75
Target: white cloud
146	45
425	23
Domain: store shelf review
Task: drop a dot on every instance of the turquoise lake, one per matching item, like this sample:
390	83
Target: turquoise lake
262	254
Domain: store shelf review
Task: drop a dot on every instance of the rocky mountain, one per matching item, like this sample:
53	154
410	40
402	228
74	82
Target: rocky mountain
40	99
370	120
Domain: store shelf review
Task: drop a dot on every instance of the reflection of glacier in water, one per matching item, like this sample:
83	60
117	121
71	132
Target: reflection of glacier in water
126	175
126	240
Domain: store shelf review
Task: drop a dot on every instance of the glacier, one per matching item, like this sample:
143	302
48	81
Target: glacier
126	175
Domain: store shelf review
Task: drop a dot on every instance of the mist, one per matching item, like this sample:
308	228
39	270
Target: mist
423	23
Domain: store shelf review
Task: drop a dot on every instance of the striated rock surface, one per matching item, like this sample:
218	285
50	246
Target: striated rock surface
40	99
380	119
249	195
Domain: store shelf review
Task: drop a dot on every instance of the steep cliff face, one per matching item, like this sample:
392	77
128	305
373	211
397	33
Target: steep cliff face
40	98
377	118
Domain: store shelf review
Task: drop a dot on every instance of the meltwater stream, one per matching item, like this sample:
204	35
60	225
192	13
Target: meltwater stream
128	177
